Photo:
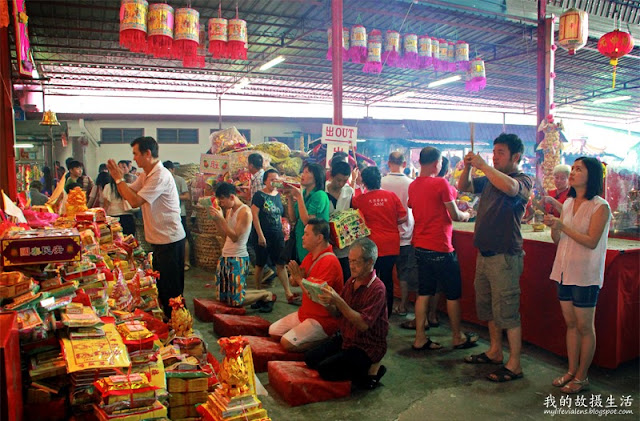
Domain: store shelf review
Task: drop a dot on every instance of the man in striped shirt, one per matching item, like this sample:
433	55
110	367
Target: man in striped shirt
356	352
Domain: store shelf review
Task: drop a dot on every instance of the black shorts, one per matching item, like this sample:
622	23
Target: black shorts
434	266
274	249
583	297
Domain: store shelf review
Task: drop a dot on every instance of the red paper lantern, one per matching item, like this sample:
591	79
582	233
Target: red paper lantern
133	25
198	60
374	58
186	33
218	38
358	48
391	54
614	45
237	39
160	27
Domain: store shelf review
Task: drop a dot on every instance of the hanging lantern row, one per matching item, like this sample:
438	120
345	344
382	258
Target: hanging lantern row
162	33
408	51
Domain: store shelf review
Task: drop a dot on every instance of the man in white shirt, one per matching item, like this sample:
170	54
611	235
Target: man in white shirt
397	182
155	191
184	195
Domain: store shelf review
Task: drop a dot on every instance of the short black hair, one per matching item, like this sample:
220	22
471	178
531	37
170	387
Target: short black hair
68	161
513	142
320	227
102	168
36	184
595	175
429	155
340	168
168	165
146	143
74	164
267	172
124	161
319	174
371	178
256	160
225	190
72	186
445	167
339	157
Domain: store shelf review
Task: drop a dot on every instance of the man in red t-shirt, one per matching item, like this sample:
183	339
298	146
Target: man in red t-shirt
383	212
432	200
312	323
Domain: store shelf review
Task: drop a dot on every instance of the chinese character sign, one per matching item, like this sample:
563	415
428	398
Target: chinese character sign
341	134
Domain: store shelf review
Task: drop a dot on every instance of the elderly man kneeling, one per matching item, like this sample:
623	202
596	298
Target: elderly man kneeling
355	353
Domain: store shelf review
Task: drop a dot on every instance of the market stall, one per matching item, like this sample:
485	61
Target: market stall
83	335
618	310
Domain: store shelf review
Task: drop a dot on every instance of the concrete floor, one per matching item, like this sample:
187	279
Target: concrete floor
438	385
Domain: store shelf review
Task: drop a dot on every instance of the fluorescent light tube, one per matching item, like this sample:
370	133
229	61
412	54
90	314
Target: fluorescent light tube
612	99
444	81
272	63
23	145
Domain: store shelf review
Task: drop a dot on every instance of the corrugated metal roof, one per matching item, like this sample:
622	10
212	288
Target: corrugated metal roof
76	46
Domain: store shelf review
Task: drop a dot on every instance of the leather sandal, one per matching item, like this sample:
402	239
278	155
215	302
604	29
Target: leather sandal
563	380
575	386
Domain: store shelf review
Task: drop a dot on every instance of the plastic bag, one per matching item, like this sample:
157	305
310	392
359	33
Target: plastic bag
226	140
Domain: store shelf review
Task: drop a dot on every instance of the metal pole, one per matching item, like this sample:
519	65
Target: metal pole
8	179
220	113
336	64
541	74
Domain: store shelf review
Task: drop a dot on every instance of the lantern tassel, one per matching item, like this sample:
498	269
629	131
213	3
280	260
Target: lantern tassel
614	63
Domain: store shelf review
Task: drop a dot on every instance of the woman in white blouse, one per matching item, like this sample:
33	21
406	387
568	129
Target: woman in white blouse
581	234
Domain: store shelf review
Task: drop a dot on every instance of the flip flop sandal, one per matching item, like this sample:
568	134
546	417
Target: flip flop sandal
480	359
411	325
428	346
503	374
374	381
470	342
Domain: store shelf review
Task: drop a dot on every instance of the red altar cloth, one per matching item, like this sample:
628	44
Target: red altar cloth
617	311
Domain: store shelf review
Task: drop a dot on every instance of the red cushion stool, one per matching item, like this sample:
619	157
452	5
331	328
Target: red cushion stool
232	325
205	308
298	385
264	350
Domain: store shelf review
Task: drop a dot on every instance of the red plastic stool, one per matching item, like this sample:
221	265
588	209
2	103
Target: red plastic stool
205	308
267	349
298	385
231	325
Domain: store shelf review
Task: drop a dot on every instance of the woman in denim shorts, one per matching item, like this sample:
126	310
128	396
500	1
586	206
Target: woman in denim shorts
581	235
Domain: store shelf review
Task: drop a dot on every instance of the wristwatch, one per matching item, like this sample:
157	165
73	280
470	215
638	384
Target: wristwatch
119	180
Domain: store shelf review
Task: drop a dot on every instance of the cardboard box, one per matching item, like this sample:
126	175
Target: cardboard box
191	398
185	411
41	246
187	385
